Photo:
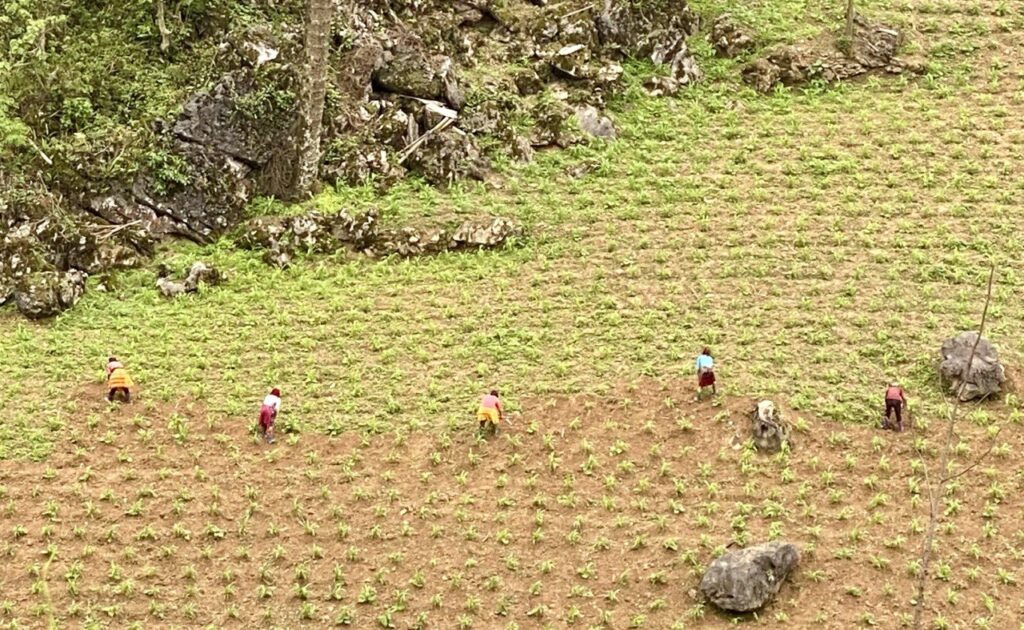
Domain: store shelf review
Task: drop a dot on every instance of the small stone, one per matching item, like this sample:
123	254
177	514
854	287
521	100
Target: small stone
202	273
593	123
522	150
528	82
199	273
169	288
571	61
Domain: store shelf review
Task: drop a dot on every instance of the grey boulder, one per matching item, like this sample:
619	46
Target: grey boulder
47	293
747	579
593	123
767	428
986	375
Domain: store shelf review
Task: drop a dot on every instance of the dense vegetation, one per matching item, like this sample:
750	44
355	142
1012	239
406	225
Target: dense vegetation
86	81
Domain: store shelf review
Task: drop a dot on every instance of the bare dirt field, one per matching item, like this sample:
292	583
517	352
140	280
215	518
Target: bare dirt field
587	512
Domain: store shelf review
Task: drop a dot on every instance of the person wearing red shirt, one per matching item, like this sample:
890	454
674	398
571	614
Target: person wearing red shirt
895	401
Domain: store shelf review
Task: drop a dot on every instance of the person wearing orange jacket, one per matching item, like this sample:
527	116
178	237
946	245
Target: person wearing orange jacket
118	380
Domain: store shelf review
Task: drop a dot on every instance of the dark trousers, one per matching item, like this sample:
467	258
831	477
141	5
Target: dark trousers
115	390
897	406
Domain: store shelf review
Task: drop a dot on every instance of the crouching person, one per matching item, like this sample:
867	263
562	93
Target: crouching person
119	382
268	414
490	412
895	403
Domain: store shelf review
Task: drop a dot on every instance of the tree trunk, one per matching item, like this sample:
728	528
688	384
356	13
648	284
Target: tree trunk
314	91
161	24
849	21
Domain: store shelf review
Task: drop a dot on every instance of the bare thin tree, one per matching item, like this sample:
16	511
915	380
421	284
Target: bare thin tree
849	22
935	486
314	91
161	24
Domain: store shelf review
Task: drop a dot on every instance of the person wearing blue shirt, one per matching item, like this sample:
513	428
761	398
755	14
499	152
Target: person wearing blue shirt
705	373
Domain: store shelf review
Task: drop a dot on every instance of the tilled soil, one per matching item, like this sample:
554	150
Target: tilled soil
592	512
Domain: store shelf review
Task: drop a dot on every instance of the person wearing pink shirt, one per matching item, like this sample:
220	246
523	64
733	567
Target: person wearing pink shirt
895	401
490	411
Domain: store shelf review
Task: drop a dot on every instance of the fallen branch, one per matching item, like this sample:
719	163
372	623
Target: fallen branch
46	158
104	232
409	150
577	12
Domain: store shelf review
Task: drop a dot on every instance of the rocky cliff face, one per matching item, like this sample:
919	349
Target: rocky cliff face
400	103
407	97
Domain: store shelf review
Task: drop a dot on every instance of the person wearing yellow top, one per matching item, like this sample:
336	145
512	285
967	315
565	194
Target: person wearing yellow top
118	380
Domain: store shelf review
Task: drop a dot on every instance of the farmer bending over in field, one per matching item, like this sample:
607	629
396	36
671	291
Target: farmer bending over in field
118	380
895	400
268	413
705	373
490	411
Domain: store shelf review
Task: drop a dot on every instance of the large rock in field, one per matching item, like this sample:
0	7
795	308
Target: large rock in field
767	428
47	293
747	579
873	49
986	375
198	273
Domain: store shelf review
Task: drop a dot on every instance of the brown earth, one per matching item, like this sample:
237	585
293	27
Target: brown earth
171	517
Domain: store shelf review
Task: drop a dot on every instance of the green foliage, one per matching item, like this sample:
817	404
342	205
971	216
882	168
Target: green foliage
14	134
265	102
106	81
168	169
